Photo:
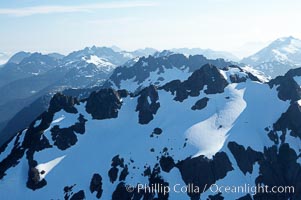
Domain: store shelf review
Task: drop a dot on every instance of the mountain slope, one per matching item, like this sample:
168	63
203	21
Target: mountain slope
278	57
208	128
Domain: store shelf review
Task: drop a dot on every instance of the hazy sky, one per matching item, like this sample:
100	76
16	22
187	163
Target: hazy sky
238	26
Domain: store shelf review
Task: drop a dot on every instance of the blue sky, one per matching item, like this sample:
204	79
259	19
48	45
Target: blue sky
238	26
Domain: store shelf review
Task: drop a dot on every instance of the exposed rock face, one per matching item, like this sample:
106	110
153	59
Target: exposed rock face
66	137
104	104
207	75
147	104
68	191
116	165
200	104
167	163
123	93
34	179
235	78
123	173
13	158
60	101
245	158
96	185
79	127
113	173
290	120
279	167
200	171
121	193
80	195
287	87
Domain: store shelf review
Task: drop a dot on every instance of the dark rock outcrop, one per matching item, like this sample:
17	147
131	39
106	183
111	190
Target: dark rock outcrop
118	163
34	181
167	163
235	78
245	158
287	87
200	104
63	138
157	131
104	104
124	173
279	168
113	173
96	185
290	120
208	75
201	171
80	195
147	109
66	137
121	193
79	127
60	101
13	158
68	191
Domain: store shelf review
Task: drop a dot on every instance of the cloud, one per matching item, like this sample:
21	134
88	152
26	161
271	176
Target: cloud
35	10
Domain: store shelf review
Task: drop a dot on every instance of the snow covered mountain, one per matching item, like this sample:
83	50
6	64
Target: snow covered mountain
28	76
80	74
208	127
278	57
158	69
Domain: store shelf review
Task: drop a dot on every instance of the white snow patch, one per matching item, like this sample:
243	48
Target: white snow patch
45	168
100	62
210	135
58	119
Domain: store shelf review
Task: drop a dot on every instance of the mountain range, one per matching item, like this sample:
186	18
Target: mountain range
103	123
28	77
81	74
209	127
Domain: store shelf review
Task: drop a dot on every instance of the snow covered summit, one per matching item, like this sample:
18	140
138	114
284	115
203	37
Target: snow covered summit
278	57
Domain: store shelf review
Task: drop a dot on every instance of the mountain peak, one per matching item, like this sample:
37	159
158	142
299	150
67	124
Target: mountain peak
278	57
18	57
283	41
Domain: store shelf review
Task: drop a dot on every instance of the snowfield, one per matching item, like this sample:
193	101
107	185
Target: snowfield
238	115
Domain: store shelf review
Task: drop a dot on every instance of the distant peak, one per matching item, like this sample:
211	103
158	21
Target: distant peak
286	39
163	53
